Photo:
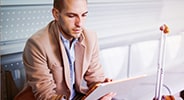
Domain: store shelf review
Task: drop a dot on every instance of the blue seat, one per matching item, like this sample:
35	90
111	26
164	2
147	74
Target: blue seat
12	75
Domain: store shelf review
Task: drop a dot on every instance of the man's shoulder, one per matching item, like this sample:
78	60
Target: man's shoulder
85	30
39	38
89	33
40	33
44	32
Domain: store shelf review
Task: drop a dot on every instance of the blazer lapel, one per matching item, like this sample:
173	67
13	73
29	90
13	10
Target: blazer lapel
56	32
79	59
66	65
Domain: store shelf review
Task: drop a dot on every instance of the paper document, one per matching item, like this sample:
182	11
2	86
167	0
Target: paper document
122	88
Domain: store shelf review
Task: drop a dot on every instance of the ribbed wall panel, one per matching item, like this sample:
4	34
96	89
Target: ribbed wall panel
115	21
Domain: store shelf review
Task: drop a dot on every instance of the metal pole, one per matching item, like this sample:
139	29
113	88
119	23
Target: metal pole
161	63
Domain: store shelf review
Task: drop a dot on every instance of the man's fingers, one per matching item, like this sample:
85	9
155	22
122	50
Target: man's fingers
108	80
108	96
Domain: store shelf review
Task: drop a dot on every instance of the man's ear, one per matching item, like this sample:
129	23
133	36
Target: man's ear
55	13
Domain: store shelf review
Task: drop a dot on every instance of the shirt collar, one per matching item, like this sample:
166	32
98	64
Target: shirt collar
67	41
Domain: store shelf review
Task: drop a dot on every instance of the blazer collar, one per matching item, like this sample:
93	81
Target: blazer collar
79	54
54	30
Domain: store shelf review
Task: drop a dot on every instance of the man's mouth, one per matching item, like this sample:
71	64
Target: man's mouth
77	30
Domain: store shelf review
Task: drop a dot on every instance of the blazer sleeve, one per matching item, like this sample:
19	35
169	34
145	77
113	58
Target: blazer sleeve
95	73
38	72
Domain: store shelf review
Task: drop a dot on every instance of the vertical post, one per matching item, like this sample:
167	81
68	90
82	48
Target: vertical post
129	60
161	63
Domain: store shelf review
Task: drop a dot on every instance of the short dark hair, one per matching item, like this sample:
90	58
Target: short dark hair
59	4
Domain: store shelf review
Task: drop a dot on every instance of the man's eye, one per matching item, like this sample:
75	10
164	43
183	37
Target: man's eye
84	15
71	16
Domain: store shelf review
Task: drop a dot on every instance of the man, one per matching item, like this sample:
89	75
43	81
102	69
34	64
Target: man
59	57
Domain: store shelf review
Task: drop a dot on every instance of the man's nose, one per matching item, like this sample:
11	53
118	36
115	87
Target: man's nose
78	22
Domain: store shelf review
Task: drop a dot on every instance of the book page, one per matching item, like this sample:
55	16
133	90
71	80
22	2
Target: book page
122	88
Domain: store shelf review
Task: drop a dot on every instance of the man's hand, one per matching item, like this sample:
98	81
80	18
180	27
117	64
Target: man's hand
107	80
110	95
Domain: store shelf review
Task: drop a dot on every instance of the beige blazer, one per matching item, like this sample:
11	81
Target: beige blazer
47	66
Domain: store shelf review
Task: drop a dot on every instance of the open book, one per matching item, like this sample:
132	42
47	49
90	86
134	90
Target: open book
122	88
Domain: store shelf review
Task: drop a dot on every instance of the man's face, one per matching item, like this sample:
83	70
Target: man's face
72	18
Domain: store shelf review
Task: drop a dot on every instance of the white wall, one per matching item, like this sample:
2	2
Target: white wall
128	30
142	57
134	53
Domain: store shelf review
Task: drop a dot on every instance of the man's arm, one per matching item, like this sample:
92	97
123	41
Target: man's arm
38	73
